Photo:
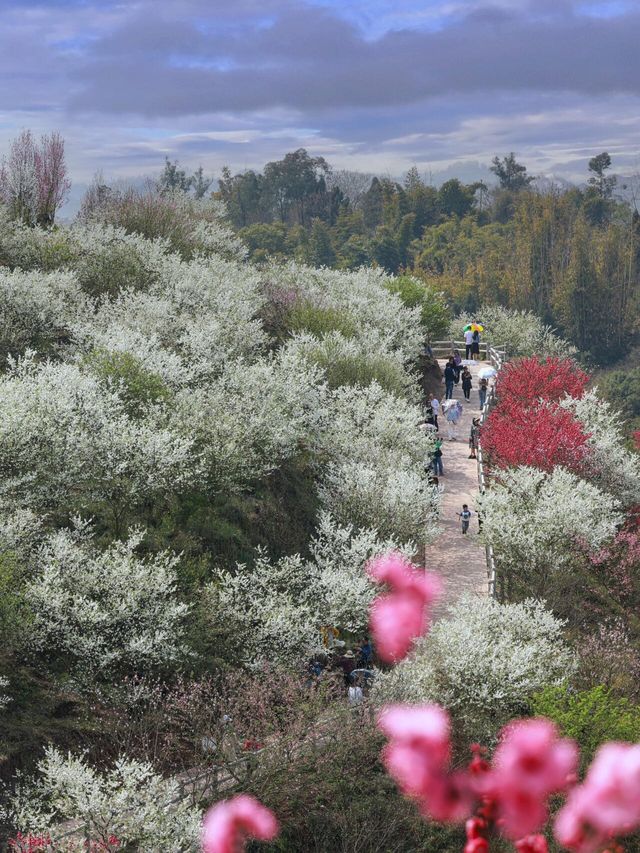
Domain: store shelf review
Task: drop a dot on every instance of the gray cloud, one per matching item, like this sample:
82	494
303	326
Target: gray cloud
370	84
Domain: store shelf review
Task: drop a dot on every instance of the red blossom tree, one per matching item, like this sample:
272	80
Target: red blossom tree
540	436
528	380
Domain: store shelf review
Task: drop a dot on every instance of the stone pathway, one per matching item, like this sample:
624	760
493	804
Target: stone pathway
459	559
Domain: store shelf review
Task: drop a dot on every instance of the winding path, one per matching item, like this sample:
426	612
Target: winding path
459	559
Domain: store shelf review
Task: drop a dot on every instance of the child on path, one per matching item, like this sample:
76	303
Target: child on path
466	383
465	517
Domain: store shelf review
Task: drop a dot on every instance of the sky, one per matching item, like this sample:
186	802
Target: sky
370	85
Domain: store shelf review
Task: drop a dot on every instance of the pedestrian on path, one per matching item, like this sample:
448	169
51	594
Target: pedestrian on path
437	459
473	438
435	410
466	383
482	391
475	346
468	340
449	378
452	412
465	517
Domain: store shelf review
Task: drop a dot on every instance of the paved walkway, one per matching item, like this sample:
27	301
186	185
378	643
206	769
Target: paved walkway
459	559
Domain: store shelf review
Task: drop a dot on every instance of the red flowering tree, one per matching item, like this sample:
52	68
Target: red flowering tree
531	379
540	436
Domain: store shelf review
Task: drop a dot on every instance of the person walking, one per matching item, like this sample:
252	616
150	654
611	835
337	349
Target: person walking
465	517
466	383
435	410
437	459
482	391
475	346
468	340
474	435
457	363
452	413
449	378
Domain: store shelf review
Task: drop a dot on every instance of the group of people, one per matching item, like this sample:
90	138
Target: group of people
355	665
472	344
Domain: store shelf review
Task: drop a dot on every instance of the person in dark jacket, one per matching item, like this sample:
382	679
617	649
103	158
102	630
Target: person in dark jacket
466	383
449	378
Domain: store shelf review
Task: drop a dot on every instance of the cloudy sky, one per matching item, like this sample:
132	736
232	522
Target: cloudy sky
371	85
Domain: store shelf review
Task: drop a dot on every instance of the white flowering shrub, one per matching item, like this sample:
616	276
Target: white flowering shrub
105	612
36	310
338	584
66	440
391	500
274	611
130	802
360	297
356	361
482	663
521	332
187	326
374	455
252	418
537	522
4	698
611	466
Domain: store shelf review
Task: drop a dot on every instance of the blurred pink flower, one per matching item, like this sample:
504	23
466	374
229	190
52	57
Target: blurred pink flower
403	614
606	804
417	757
532	844
229	823
530	763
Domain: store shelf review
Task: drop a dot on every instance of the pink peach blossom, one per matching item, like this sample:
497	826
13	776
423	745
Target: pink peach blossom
229	823
606	804
530	763
532	844
402	615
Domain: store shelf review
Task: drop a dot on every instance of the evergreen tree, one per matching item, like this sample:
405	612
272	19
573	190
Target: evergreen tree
320	250
173	179
511	174
372	206
385	251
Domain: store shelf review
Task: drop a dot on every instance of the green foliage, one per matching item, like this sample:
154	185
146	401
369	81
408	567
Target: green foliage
123	372
319	320
265	240
354	368
335	795
622	389
14	611
113	267
590	717
434	311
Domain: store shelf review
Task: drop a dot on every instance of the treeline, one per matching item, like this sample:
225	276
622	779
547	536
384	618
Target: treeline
571	255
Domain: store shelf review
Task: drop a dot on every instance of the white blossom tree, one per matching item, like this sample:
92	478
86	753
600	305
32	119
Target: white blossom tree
482	663
105	612
130	802
538	522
